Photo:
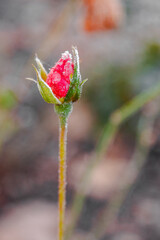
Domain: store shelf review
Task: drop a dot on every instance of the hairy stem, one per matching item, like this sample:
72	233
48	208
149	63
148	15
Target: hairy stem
62	178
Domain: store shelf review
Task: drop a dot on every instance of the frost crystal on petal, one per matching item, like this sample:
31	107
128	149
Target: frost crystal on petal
66	55
59	76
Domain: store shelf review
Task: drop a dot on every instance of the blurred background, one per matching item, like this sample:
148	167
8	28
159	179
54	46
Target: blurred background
119	47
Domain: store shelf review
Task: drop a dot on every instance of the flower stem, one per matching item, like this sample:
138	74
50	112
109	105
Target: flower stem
63	112
62	177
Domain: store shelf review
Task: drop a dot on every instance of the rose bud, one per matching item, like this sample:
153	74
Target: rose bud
59	76
63	83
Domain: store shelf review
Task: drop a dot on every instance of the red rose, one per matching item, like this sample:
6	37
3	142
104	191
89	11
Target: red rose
63	84
59	76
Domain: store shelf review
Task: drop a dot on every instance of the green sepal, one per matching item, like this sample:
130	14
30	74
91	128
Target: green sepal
70	93
84	81
75	57
61	100
77	95
41	69
45	90
76	63
74	89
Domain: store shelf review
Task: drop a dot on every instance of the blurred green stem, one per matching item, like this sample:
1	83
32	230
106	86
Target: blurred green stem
108	134
138	160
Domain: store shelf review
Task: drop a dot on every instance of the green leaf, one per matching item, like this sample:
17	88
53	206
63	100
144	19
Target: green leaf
45	90
8	99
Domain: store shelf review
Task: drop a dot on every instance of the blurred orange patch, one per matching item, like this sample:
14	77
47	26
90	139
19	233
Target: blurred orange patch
103	14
